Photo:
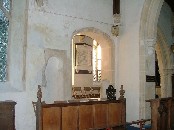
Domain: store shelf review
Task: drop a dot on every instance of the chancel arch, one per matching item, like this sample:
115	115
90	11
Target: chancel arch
83	77
148	39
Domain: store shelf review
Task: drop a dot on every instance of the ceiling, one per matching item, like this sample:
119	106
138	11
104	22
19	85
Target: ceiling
170	3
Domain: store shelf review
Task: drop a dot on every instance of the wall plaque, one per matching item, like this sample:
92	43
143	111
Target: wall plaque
150	78
83	58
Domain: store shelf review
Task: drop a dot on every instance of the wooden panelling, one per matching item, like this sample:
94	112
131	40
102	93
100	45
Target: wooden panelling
154	114
85	117
85	114
172	115
114	114
7	115
100	115
161	113
70	118
76	115
52	118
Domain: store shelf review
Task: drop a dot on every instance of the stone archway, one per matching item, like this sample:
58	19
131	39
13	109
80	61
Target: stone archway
148	36
148	39
107	46
164	56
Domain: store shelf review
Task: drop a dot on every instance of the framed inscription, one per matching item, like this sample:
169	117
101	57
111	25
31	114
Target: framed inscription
83	58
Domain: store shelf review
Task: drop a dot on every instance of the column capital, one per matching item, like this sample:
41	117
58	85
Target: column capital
151	41
167	72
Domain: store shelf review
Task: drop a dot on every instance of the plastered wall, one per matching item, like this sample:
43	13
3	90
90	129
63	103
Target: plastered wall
46	36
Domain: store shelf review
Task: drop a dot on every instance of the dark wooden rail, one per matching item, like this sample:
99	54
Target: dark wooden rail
80	114
162	113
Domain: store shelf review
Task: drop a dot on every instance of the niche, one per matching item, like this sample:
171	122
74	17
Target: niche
54	75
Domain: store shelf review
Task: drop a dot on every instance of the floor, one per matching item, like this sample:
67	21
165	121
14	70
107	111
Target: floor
146	127
131	128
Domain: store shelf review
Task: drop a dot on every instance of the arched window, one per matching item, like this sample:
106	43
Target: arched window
96	61
4	26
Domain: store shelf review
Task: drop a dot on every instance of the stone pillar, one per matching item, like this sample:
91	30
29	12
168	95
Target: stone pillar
166	83
150	71
150	68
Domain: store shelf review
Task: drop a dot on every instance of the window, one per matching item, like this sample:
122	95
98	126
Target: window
4	25
96	61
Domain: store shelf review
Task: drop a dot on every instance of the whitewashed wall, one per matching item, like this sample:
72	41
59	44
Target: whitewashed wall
48	27
129	55
51	27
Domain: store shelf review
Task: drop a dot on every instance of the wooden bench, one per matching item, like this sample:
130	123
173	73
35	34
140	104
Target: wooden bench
162	113
80	114
7	115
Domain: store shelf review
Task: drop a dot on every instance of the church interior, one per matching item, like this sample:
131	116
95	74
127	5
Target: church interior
86	65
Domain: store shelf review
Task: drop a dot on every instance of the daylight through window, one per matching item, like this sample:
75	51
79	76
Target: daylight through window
96	61
4	25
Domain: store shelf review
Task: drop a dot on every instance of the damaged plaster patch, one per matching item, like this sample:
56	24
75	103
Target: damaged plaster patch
54	74
54	80
59	54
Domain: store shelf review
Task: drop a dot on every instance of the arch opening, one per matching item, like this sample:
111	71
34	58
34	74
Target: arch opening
149	43
88	69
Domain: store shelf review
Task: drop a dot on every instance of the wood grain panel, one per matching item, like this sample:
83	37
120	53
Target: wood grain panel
154	114
70	118
85	117
100	115
52	118
172	115
114	114
7	115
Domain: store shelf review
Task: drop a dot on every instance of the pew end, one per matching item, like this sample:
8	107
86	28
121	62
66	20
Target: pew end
162	113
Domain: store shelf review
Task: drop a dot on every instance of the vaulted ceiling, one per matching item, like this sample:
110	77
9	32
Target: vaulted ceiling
170	3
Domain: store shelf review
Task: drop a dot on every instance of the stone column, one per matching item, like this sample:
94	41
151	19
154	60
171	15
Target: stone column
166	83
150	71
150	67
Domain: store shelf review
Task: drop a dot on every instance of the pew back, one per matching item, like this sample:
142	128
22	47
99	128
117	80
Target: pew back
83	115
162	113
172	115
88	114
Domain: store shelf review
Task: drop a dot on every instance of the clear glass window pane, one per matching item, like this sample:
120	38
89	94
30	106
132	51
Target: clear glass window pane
6	4
4	25
98	52
96	61
99	65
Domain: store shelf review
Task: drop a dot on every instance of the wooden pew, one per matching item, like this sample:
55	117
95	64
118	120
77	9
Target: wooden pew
162	113
172	114
78	115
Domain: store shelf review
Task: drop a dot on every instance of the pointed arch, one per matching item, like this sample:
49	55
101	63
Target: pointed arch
165	58
148	35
